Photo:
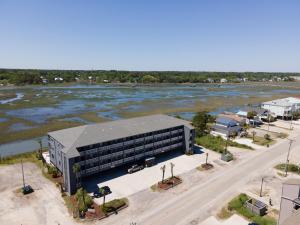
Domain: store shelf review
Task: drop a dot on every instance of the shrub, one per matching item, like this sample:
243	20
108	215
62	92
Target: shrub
267	137
113	205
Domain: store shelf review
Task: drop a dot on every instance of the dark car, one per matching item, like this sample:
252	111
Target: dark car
27	189
98	194
135	168
253	224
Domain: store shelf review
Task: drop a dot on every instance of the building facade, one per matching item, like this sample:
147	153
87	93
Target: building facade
99	147
282	108
290	203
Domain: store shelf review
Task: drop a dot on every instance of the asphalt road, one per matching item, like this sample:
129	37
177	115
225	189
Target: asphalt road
195	205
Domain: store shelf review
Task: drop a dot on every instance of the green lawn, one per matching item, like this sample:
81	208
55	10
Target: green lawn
218	144
236	205
291	168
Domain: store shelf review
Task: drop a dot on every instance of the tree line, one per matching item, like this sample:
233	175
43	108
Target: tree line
30	76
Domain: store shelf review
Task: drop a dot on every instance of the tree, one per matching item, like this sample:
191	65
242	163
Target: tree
76	170
163	169
103	192
172	167
251	115
253	135
200	121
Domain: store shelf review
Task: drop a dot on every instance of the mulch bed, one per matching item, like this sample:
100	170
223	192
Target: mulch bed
207	166
95	215
169	183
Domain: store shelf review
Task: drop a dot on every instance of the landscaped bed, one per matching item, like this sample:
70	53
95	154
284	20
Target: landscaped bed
167	183
205	166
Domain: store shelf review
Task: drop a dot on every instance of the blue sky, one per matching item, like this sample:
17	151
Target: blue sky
202	35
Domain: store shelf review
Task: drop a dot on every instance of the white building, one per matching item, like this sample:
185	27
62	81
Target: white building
282	107
223	80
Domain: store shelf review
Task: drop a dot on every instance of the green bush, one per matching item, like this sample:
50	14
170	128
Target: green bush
291	167
84	201
113	205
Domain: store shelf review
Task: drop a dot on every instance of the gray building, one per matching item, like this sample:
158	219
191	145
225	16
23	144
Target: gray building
290	203
99	147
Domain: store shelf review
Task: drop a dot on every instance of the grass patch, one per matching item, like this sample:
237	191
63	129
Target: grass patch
218	144
114	205
262	141
224	213
282	135
91	117
37	131
26	157
291	168
237	205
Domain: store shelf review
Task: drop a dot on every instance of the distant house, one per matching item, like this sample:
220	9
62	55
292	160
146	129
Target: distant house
210	80
240	120
225	127
106	81
283	108
290	203
223	80
58	79
262	114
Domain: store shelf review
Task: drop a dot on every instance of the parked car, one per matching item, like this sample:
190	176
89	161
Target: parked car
253	224
98	194
134	168
150	162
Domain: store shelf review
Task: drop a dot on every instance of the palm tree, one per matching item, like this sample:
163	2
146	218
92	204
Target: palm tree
163	169
172	166
253	135
103	192
76	170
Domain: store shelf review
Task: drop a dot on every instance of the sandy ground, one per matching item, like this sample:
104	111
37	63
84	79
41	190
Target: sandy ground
42	207
233	220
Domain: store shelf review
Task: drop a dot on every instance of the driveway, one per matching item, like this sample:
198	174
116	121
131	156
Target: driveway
128	184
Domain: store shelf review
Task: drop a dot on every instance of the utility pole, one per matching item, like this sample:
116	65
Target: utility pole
268	122
23	174
226	145
287	157
261	186
291	126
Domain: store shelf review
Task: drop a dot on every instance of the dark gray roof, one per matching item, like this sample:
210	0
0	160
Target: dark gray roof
75	137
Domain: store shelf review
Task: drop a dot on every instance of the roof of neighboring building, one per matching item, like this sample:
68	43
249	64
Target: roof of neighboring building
233	117
293	181
226	121
283	102
252	109
75	137
293	219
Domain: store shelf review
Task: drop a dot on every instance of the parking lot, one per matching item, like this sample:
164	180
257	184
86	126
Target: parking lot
123	184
